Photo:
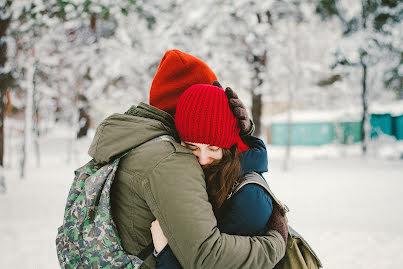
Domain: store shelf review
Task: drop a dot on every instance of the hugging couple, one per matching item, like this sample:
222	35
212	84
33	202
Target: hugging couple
177	188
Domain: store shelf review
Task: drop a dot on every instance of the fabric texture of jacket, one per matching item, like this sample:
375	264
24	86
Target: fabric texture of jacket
163	180
237	217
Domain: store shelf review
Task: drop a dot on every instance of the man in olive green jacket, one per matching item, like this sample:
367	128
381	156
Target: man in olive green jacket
160	179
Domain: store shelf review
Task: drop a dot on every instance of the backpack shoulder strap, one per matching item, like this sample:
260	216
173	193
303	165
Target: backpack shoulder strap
104	189
255	178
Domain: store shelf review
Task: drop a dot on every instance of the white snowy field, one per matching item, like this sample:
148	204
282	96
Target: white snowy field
349	208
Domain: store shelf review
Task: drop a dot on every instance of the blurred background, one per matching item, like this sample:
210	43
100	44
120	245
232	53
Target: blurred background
323	80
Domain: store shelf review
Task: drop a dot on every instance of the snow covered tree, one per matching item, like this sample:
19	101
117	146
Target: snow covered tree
56	45
370	31
256	54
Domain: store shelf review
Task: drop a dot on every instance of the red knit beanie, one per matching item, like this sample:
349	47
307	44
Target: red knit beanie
177	72
203	116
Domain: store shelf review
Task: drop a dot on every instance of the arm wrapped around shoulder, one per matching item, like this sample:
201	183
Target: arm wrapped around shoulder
278	247
176	194
278	222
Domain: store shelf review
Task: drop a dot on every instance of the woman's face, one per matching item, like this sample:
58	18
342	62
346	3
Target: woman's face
206	154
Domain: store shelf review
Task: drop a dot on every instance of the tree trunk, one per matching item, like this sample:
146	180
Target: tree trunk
289	128
2	115
5	82
93	23
364	102
259	66
294	73
36	128
27	147
257	111
2	112
83	116
5	78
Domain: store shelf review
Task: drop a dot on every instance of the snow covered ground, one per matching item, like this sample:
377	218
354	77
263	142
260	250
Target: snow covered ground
349	208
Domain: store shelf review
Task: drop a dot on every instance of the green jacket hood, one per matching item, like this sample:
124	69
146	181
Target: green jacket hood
119	133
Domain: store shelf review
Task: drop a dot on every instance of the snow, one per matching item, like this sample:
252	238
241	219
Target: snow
338	199
302	116
394	108
33	207
316	116
346	206
347	209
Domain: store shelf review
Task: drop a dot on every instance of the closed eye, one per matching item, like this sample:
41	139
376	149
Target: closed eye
191	147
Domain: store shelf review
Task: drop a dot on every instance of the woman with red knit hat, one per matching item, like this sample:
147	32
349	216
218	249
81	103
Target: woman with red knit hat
206	125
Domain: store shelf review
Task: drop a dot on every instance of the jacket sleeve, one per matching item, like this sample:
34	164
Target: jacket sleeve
167	260
238	218
251	131
176	194
254	159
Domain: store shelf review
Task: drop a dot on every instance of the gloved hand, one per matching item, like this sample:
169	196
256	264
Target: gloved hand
237	108
277	221
217	84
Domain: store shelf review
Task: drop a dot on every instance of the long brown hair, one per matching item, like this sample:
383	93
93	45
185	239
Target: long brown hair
220	177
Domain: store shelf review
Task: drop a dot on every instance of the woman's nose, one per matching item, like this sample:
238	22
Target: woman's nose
203	158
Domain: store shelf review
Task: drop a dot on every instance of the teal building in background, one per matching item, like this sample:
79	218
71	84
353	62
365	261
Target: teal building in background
397	127
308	134
381	124
316	128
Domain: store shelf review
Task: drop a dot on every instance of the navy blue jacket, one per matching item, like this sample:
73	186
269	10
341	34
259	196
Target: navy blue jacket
238	218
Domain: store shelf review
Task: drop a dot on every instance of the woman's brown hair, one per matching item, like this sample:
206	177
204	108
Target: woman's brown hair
220	177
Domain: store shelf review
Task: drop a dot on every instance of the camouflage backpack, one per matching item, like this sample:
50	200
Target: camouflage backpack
88	237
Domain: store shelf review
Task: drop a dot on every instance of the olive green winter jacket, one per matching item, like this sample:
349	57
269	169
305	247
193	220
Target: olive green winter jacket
162	180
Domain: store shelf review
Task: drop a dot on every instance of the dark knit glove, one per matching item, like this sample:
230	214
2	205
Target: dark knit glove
277	221
237	108
217	84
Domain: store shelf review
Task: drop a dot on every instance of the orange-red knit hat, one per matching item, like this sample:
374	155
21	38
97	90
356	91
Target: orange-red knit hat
203	116
177	72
